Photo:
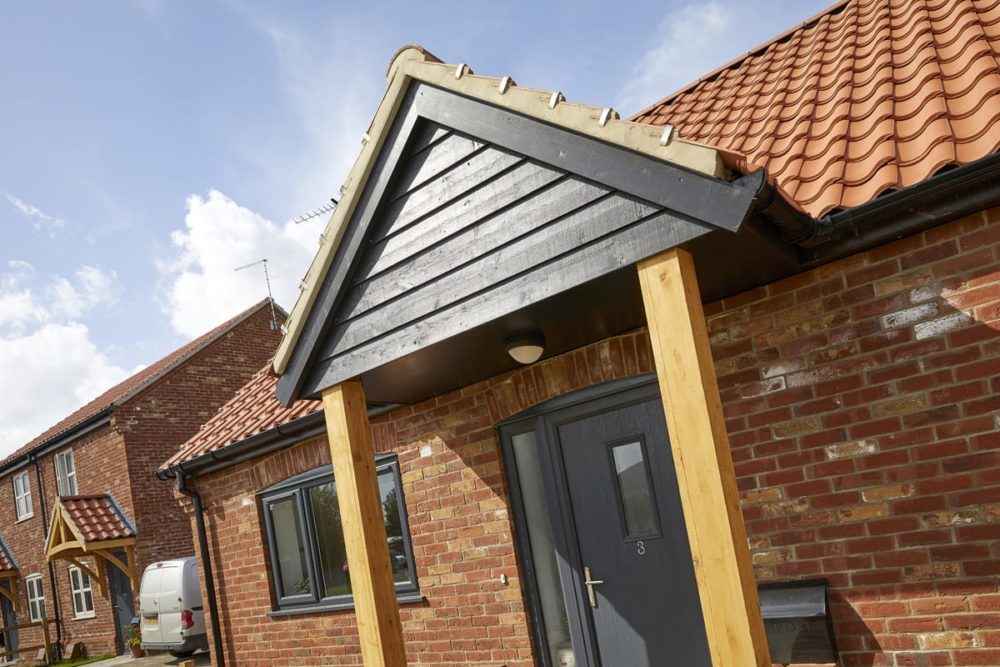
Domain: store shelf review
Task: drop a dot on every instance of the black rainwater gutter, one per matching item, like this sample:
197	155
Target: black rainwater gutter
206	561
947	196
942	198
33	458
260	444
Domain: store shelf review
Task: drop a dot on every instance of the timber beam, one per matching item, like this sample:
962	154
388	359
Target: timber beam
702	459
353	457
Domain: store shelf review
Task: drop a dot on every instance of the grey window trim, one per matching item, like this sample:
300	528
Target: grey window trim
297	488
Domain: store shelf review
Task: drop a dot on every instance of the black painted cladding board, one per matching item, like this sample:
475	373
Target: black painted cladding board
474	212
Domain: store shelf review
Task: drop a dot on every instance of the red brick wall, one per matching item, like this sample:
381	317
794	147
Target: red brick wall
861	405
121	459
100	465
160	419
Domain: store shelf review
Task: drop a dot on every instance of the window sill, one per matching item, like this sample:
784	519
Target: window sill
402	598
83	617
25	518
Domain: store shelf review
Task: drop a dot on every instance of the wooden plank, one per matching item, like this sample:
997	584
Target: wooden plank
353	457
702	459
425	134
449	186
492	196
585	263
473	242
566	234
432	162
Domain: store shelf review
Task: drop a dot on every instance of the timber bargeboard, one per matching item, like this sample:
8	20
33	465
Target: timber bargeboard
473	217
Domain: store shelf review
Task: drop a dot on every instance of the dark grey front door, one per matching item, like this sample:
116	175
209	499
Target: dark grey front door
8	619
600	531
122	601
631	537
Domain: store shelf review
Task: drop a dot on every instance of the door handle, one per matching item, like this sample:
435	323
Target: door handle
590	583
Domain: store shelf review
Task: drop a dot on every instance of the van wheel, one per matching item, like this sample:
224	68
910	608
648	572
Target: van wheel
182	654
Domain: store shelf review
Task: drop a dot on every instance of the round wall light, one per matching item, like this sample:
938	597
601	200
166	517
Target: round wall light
526	349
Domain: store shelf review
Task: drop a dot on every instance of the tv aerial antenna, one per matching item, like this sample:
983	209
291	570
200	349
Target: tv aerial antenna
267	279
316	212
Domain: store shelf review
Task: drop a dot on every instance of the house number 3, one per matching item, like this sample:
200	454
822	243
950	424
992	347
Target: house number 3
640	548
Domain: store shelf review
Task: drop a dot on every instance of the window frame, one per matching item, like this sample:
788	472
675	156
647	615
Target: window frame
297	488
82	591
65	475
24	497
36	603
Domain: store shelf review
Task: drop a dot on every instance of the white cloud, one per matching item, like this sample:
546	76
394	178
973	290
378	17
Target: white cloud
93	287
40	220
685	47
202	286
50	372
47	355
26	302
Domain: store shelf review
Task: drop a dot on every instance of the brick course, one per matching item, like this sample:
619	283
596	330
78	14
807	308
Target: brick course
861	406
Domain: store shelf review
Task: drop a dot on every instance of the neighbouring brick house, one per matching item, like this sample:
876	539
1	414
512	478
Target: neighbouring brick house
859	382
96	468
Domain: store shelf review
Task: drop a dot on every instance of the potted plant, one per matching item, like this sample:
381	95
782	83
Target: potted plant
134	640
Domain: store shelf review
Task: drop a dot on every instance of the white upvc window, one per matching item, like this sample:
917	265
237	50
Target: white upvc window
83	596
22	496
65	473
36	597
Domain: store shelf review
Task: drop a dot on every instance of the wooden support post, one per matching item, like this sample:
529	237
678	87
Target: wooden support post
702	459
46	641
372	583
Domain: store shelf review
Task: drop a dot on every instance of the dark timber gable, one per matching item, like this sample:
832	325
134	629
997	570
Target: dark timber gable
472	221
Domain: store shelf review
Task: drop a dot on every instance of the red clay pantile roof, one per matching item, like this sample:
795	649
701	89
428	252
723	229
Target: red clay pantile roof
6	560
872	95
127	388
98	518
253	410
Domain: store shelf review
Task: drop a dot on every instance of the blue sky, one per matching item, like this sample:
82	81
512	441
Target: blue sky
150	147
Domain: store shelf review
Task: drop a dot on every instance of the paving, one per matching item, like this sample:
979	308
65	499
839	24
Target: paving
201	659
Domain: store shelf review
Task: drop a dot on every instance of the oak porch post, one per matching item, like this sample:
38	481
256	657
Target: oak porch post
361	516
704	465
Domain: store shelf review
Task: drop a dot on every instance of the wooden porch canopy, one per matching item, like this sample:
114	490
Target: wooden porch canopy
479	211
8	574
92	527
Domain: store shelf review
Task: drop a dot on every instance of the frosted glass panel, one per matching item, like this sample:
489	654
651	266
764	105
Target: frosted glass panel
543	551
633	487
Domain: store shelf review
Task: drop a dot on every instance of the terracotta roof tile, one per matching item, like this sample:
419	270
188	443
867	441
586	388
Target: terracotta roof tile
253	410
872	95
125	389
98	518
7	563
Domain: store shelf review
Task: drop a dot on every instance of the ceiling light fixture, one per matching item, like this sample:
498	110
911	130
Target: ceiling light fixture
526	349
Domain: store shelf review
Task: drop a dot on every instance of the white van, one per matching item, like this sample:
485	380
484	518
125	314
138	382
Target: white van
171	615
